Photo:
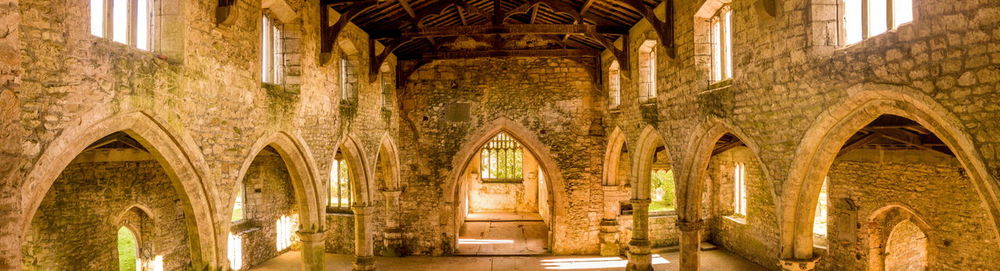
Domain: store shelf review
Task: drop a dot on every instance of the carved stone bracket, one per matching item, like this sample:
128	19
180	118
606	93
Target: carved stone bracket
330	33
664	29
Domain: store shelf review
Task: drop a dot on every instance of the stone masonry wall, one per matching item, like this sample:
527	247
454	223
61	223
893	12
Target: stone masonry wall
550	97
75	227
755	236
269	196
933	185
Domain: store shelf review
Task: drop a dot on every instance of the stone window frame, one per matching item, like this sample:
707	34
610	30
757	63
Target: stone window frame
240	190
386	87
335	202
740	202
503	144
288	53
614	85
348	79
883	221
106	29
721	37
664	213
646	60
142	247
822	211
891	23
271	50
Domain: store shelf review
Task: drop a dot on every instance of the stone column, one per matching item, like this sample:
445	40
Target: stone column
364	258
639	258
798	264
609	222
690	243
393	233
313	250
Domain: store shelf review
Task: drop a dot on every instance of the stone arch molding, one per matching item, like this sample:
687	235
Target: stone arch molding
818	149
304	177
387	149
527	138
360	170
892	215
178	155
616	141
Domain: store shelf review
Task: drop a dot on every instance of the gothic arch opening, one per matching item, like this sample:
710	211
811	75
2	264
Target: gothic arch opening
505	205
266	211
77	224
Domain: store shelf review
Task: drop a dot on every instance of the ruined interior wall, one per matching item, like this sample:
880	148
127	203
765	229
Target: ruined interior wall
933	185
269	196
75	227
486	197
755	236
551	97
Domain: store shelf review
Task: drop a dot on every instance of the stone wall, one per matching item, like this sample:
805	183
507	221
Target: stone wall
933	185
269	197
76	227
551	98
755	235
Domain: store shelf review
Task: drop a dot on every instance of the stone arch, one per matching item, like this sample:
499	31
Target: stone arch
819	147
526	137
117	219
304	177
642	164
616	141
388	151
361	175
892	216
178	156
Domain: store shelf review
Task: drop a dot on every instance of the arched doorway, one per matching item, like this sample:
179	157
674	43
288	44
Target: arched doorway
504	200
79	223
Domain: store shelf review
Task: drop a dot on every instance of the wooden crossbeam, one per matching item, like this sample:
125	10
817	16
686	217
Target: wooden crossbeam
504	29
570	53
858	143
555	5
727	146
664	29
330	33
620	54
375	64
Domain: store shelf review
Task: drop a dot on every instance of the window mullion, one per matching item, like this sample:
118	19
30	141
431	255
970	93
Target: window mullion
889	21
132	21
864	19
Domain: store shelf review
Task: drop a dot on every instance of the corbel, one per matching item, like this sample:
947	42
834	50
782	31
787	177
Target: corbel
664	29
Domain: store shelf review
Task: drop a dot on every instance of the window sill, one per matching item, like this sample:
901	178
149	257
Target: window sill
742	220
663	214
243	227
721	84
503	181
128	48
339	211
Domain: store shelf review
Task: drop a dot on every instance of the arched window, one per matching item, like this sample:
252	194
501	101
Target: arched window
906	248
340	185
128	251
868	18
502	160
614	85
271	53
740	189
722	44
647	71
662	191
124	21
348	79
386	90
239	203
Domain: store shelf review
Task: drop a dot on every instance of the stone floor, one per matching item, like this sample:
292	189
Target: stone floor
522	237
479	217
716	260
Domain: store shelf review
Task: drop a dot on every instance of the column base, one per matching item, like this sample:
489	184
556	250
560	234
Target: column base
609	238
393	243
639	256
313	250
363	263
798	264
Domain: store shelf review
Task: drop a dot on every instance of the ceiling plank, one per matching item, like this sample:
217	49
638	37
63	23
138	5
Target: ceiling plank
505	29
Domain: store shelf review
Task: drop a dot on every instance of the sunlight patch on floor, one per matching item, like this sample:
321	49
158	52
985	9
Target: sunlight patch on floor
484	241
592	263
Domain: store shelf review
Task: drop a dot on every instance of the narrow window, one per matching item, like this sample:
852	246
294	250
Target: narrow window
820	220
271	52
647	71
340	185
234	252
739	190
120	21
348	79
722	45
386	91
502	160
97	18
614	85
128	251
868	18
142	24
239	210
662	191
285	230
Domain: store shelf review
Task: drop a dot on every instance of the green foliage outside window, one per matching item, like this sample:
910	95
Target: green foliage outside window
127	250
662	191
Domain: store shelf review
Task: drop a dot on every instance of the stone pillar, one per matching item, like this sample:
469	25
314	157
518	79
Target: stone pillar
690	243
798	264
609	222
364	256
313	250
393	233
639	258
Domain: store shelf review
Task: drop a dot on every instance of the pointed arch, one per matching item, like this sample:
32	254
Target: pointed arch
823	140
882	223
178	156
474	141
120	217
388	153
616	142
642	162
360	173
304	177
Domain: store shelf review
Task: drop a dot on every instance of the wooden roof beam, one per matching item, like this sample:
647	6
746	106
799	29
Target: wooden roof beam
375	65
330	33
570	53
664	29
505	29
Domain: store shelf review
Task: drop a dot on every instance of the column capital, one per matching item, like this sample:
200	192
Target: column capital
311	236
640	202
360	209
687	226
799	264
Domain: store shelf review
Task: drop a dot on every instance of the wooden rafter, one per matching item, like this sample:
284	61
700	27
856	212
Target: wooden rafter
504	29
555	5
664	29
570	53
330	33
375	64
619	54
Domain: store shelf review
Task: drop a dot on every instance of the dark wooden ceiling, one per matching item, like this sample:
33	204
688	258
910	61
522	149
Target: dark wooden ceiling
424	28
